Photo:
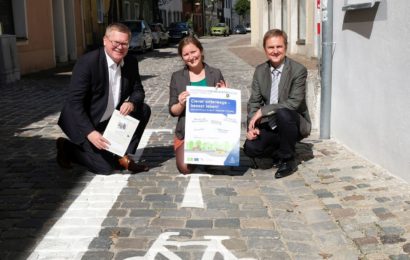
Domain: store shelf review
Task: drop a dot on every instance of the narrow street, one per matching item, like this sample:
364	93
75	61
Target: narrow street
336	206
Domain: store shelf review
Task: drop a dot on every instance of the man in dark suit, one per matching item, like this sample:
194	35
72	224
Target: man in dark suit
277	113
102	80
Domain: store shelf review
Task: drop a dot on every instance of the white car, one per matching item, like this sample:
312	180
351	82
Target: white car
159	34
141	36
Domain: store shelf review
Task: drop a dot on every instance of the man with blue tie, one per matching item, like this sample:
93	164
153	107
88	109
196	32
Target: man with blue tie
103	80
277	113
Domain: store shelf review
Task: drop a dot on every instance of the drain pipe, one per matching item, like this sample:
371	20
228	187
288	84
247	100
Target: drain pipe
326	69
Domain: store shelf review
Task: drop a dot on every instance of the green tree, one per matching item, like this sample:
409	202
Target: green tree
242	8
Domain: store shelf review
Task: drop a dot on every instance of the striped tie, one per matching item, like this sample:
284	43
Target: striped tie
274	91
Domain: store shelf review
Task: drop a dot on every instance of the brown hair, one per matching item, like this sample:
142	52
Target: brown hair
119	27
187	40
275	33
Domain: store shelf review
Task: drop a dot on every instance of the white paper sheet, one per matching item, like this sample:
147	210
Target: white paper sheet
119	132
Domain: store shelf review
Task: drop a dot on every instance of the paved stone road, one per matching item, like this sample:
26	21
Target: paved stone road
337	205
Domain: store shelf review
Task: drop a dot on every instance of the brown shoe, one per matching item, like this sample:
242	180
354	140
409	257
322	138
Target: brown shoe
62	158
132	166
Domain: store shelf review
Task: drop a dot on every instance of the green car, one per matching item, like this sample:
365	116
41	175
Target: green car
220	29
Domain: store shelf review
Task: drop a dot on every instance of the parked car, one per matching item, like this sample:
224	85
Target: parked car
141	36
179	30
220	29
248	27
239	29
159	34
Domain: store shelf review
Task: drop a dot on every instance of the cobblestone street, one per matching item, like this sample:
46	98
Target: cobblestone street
336	206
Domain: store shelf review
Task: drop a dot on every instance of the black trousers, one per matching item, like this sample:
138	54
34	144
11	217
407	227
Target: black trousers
279	142
102	161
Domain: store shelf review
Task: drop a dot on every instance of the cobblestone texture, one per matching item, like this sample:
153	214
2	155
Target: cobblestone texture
336	206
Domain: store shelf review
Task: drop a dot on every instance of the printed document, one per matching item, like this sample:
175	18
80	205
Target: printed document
119	132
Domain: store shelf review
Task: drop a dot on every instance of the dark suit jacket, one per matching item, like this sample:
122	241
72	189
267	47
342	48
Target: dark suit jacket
88	94
179	81
292	89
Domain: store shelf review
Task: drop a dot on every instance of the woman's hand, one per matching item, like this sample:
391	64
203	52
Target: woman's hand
183	97
221	84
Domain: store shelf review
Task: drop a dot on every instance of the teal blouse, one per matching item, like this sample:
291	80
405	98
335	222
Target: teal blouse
201	83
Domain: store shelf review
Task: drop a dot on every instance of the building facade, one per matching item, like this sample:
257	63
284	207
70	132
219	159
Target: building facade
370	105
369	69
298	18
47	32
171	11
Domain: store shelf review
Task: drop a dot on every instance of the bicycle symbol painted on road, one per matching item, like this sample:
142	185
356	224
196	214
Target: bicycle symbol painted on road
213	246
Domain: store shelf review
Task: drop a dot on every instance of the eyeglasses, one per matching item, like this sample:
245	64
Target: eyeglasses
117	44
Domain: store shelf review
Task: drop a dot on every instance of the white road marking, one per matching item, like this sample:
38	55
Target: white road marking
193	193
71	235
213	245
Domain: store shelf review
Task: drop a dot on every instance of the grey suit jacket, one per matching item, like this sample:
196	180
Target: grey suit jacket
292	89
179	81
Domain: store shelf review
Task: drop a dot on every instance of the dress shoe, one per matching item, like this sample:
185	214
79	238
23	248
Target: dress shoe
286	168
276	162
63	159
132	166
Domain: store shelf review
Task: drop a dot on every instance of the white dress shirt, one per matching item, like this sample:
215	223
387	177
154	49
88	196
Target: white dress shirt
114	83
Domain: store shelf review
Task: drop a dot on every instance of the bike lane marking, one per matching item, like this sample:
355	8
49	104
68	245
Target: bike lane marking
213	245
70	236
193	193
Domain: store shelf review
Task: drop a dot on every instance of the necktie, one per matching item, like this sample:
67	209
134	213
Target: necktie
274	91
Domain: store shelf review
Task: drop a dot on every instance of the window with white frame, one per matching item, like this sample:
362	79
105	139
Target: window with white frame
301	22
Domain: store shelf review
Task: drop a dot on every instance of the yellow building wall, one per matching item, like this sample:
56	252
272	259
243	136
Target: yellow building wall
37	52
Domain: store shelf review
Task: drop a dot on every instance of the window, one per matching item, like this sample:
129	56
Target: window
127	11
20	18
136	11
100	11
301	22
285	15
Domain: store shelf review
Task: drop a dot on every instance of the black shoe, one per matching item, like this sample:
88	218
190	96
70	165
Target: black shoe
253	163
262	163
286	168
63	159
276	162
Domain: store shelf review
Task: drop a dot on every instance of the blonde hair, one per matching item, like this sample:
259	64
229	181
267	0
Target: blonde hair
119	27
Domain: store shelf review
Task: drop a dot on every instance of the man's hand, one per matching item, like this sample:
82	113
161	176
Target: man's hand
126	108
255	119
252	134
98	140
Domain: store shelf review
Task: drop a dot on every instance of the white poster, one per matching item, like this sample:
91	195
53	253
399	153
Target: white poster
119	132
212	126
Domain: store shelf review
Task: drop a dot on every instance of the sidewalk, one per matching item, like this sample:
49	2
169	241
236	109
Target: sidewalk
336	206
370	206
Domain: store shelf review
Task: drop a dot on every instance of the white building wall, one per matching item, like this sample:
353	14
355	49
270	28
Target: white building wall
370	83
283	14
